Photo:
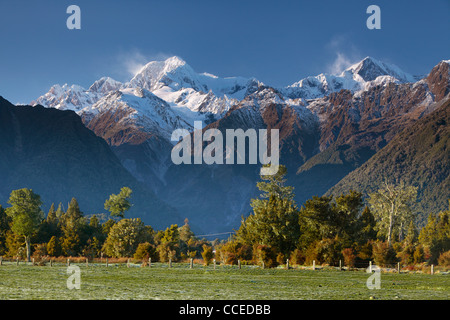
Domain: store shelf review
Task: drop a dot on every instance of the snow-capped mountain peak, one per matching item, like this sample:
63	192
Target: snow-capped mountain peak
369	69
67	97
173	72
139	108
359	76
105	85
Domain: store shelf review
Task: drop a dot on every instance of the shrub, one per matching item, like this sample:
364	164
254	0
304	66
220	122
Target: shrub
311	253
407	255
349	257
444	259
145	251
297	257
92	248
365	251
166	252
327	251
53	247
207	254
14	244
383	253
124	237
280	258
70	244
265	254
231	252
40	253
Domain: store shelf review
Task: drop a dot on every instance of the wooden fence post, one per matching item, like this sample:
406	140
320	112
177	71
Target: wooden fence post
32	261
68	262
128	263
170	263
191	263
149	262
51	262
340	265
87	262
17	261
239	264
263	265
370	266
287	264
214	261
398	267
314	265
1	260
432	269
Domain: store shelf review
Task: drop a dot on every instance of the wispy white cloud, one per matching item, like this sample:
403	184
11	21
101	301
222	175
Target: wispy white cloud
133	62
345	54
340	63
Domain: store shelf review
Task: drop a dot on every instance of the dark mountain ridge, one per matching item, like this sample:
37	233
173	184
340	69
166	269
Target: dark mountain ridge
53	153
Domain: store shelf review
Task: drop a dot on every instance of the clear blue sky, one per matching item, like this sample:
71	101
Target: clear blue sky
278	42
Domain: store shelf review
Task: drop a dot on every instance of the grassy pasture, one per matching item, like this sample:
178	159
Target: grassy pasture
225	283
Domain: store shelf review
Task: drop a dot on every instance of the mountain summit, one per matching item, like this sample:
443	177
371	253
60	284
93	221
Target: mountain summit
369	69
173	72
360	76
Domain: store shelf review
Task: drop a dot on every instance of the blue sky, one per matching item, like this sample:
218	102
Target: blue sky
278	42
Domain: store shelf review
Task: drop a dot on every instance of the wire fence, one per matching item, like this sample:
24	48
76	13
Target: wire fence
368	266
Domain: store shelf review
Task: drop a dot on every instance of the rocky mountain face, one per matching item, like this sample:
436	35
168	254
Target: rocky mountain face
419	155
356	126
329	126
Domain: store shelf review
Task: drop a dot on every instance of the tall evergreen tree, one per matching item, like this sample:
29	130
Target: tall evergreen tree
72	219
435	235
51	216
59	212
73	226
185	232
26	214
274	221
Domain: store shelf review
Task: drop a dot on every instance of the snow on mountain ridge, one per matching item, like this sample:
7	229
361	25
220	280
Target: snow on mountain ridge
105	85
67	97
357	77
142	109
201	96
176	74
173	72
370	68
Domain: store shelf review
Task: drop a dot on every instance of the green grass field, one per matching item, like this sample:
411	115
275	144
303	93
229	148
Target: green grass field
180	282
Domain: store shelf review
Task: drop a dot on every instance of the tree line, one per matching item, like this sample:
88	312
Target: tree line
26	232
324	229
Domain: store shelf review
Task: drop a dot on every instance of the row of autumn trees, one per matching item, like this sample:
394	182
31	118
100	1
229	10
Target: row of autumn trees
24	231
325	230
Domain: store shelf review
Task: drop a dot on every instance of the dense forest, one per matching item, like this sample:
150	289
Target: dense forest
326	229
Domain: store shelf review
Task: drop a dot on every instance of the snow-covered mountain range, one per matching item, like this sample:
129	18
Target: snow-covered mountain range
201	96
